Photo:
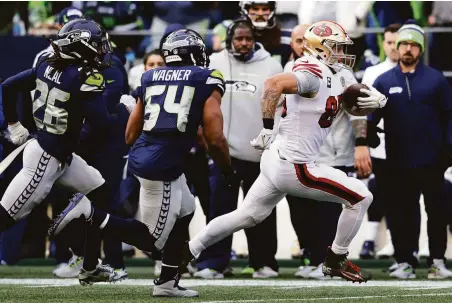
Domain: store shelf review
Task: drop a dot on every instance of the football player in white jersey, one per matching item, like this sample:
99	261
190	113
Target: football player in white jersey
288	166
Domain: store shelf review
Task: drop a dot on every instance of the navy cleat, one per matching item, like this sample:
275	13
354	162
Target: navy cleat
368	251
78	206
340	266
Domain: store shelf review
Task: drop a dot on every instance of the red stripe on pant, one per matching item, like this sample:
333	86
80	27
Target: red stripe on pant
326	185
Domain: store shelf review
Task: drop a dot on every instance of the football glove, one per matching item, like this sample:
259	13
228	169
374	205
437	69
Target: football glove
375	99
128	101
264	139
17	134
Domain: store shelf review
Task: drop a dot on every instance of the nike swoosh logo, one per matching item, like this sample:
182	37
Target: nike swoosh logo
110	81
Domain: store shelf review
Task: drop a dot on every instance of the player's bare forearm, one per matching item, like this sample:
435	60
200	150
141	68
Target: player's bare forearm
283	83
135	123
217	145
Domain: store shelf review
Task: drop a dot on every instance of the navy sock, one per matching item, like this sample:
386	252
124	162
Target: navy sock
130	231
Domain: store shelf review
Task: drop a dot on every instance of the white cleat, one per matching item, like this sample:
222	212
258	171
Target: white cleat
171	288
120	275
78	206
102	273
438	270
386	252
208	273
319	275
264	273
304	271
69	270
403	271
157	268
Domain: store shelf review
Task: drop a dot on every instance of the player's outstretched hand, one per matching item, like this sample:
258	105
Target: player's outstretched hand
264	139
375	99
17	134
129	102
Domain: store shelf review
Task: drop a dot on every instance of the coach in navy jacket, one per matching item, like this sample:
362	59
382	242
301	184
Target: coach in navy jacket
418	131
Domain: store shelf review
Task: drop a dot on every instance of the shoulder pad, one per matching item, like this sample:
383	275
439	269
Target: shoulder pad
94	83
217	74
308	64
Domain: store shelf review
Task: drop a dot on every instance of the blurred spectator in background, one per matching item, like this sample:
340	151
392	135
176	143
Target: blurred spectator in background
241	64
338	151
349	14
151	60
219	35
441	16
287	13
43	16
196	15
378	208
268	32
418	137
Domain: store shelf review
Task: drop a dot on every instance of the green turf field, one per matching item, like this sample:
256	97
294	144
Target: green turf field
36	284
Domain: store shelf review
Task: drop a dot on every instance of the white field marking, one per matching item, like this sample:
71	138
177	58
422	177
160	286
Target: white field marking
332	298
282	284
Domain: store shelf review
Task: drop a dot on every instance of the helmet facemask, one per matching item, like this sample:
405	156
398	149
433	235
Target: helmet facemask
339	54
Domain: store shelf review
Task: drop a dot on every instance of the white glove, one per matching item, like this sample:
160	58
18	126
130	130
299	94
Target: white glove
17	134
264	139
129	102
375	99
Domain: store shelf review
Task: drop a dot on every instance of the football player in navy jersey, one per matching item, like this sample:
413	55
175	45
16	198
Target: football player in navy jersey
172	103
69	89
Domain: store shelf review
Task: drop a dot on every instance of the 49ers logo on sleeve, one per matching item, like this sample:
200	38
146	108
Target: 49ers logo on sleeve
322	30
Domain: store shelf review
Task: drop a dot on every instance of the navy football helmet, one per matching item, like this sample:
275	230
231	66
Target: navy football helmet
83	39
185	47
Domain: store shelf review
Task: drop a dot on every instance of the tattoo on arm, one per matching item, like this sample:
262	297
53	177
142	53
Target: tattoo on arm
359	128
271	97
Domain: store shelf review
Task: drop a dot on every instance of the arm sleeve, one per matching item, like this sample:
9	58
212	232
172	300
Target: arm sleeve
215	80
24	81
307	83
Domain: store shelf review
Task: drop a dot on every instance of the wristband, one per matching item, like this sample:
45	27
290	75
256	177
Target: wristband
361	141
268	123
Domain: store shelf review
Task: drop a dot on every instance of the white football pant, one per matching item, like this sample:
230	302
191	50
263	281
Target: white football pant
162	203
279	177
40	171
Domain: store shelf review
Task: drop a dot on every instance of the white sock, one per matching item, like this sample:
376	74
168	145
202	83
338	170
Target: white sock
348	225
218	229
388	236
372	230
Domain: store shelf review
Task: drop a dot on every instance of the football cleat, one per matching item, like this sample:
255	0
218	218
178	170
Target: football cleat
265	272
368	250
208	273
340	266
438	270
102	273
171	288
120	275
403	271
69	270
78	206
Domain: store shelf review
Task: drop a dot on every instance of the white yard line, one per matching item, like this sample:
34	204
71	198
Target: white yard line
281	284
332	298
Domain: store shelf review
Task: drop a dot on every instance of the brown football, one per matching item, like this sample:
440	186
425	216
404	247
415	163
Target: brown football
350	99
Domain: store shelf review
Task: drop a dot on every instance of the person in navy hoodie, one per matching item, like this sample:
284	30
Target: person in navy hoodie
418	132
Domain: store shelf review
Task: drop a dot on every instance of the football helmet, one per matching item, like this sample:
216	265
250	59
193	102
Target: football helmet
260	25
185	47
328	42
83	39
